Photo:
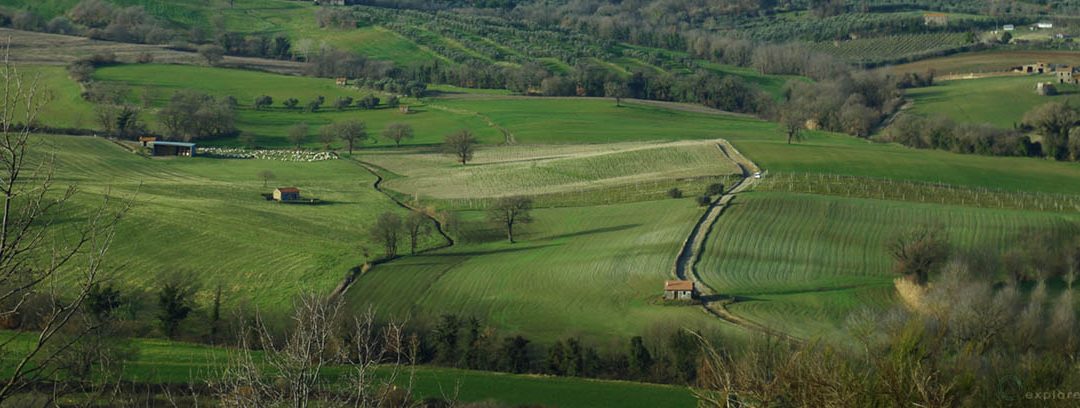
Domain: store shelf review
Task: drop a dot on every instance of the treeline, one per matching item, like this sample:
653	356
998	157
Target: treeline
667	356
111	316
1057	123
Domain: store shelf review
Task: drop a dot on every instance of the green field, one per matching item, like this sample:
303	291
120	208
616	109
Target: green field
170	362
1000	101
574	269
271	125
586	120
204	219
807	261
66	108
596	272
540	169
562	120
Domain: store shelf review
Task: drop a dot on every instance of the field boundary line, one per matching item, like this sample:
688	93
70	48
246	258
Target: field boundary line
356	271
508	136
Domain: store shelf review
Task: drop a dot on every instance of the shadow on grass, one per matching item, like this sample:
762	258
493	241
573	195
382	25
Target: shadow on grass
494	251
592	231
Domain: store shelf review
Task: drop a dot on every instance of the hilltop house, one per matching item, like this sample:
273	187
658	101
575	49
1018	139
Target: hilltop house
679	290
286	194
342	81
935	19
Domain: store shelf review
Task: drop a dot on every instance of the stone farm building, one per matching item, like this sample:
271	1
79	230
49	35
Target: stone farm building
1068	75
1045	89
936	19
286	194
172	149
1036	68
679	290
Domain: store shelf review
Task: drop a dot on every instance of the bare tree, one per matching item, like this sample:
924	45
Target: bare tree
289	369
35	256
511	211
417	225
327	135
918	252
266	176
352	131
461	144
386	231
297	134
794	120
616	90
398	132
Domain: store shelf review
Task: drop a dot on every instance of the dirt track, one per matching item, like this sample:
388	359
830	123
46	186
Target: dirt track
686	263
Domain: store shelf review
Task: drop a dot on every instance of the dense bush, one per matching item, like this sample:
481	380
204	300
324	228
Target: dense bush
944	134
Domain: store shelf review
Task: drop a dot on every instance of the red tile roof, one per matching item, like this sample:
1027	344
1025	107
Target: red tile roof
676	285
289	190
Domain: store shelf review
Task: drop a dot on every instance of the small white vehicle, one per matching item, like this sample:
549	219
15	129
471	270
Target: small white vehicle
757	175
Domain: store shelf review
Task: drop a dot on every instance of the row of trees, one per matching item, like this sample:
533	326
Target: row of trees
353	132
366	102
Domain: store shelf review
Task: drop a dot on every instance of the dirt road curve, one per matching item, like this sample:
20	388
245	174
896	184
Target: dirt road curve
690	253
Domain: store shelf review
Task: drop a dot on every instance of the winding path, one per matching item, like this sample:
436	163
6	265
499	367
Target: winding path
690	253
356	271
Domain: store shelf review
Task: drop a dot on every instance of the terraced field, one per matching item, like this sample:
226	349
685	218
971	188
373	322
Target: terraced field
808	258
892	47
980	100
533	169
209	213
596	272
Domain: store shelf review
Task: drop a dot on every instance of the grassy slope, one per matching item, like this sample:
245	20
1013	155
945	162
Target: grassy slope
578	120
557	120
66	108
811	259
534	169
561	120
1000	101
160	361
270	126
205	218
596	272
